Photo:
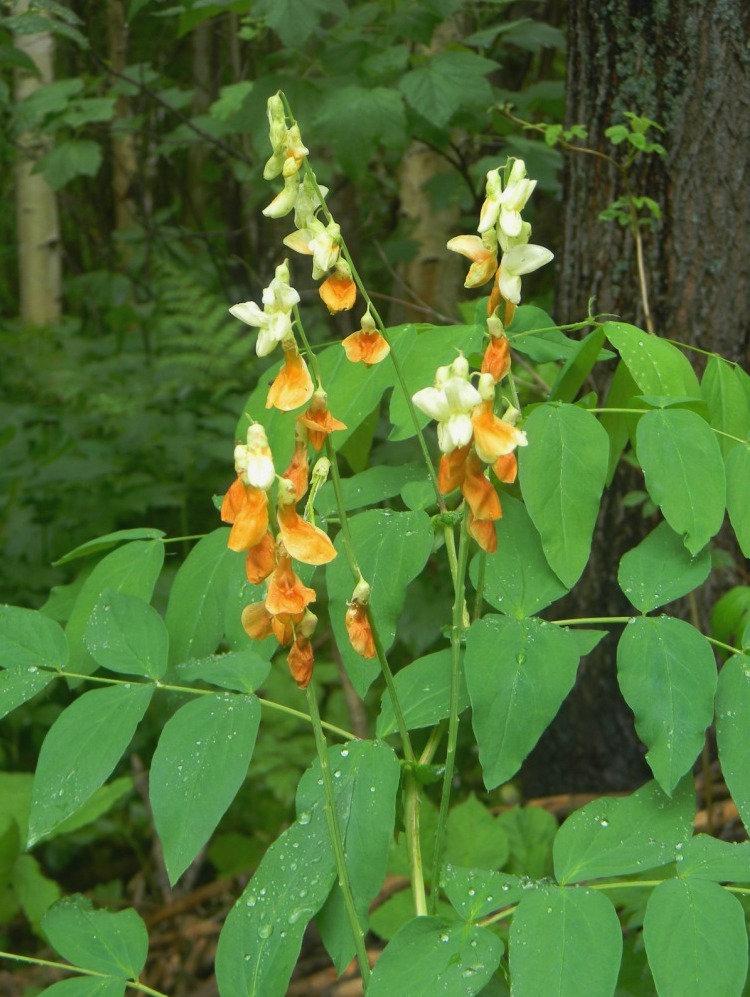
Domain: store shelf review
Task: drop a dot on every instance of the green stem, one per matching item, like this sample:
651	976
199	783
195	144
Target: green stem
453	719
347	735
336	840
412	803
481	573
80	971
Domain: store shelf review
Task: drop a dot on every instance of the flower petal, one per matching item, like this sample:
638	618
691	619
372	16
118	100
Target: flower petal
368	346
293	385
302	540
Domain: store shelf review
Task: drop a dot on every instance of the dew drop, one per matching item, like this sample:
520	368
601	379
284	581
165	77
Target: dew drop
265	930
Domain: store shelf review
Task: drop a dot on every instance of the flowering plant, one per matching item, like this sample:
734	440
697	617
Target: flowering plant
299	538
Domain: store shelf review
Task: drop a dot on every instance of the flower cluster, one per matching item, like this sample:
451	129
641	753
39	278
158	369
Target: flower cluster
293	385
301	194
284	612
470	436
501	229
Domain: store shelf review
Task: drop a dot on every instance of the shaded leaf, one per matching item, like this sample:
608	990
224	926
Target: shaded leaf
423	690
111	943
732	724
127	635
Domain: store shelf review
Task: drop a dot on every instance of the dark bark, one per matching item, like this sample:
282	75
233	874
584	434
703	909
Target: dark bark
685	64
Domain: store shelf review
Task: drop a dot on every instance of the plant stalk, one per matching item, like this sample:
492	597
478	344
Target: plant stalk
337	843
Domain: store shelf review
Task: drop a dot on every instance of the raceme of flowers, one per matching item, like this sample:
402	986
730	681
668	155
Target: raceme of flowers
261	505
502	229
471	436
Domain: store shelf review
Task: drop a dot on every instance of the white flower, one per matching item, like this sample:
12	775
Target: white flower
516	262
491	207
450	403
253	461
285	200
274	321
513	199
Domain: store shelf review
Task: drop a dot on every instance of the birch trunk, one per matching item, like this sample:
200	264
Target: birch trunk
39	248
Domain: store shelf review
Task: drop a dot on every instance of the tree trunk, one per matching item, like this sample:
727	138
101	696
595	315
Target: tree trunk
39	250
683	63
124	156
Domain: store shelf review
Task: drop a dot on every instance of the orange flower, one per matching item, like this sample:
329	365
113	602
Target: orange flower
369	347
483	531
478	491
318	420
483	257
257	621
493	437
359	630
301	661
247	509
506	468
261	560
496	359
302	540
452	468
298	469
286	593
339	292
496	298
293	385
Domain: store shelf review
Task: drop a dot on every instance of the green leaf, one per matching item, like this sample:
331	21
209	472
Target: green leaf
615	836
474	835
621	394
369	487
355	120
667	673
33	890
198	597
231	100
132	569
657	367
126	635
530	832
518	580
684	472
704	857
365	781
261	938
518	672
561	937
732	724
562	473
107	541
660	570
199	764
449	80
85	986
420	351
19	685
240	671
29	639
534	333
80	751
696	940
107	942
738	489
423	689
430	955
71	159
476	893
392	549
577	367
103	800
295	20
728	405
